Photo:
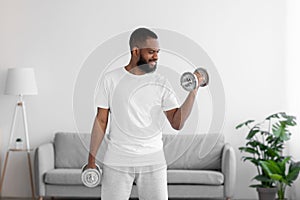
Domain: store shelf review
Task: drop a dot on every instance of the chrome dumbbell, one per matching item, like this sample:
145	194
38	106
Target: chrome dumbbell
91	177
189	80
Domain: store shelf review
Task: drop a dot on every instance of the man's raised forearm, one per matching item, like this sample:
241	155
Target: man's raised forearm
184	111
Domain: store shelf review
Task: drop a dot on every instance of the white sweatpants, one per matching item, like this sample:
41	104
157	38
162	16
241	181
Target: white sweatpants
151	182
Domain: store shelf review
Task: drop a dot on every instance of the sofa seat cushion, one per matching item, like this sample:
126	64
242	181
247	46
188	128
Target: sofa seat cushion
205	177
63	177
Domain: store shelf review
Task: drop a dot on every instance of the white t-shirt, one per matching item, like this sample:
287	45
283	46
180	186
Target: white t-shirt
136	104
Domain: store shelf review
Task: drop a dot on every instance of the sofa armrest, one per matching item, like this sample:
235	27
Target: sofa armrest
228	168
43	162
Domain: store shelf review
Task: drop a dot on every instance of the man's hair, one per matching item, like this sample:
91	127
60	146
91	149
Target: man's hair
139	36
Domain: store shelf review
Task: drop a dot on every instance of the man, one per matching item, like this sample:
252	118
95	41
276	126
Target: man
135	97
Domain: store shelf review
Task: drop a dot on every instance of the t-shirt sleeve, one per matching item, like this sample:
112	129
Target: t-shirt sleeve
102	96
169	100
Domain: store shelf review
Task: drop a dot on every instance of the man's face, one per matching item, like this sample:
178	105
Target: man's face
148	55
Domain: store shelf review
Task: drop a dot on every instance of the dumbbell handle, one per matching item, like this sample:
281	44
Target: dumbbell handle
91	166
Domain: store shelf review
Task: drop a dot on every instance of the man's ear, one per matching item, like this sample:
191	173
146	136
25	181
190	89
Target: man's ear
136	52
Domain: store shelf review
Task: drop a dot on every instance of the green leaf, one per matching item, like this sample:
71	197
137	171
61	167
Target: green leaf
276	115
286	136
283	163
251	159
263	147
280	131
253	143
254	161
276	177
272	153
247	158
244	124
294	165
285	182
290	120
293	173
249	150
270	167
262	178
256	185
270	139
283	114
252	132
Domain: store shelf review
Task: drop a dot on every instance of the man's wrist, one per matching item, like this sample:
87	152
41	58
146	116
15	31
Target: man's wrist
91	158
195	91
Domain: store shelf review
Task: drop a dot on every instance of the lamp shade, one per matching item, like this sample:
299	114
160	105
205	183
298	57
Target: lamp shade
21	81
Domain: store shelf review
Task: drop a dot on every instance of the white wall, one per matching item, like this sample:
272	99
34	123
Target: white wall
245	40
293	82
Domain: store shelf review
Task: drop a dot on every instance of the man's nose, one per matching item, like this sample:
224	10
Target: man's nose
155	56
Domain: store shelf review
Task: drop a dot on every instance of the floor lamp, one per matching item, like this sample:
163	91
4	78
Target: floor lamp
20	82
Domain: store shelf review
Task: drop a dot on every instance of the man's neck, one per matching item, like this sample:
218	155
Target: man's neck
134	69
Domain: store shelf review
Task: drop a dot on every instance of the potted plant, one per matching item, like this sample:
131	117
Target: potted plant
280	174
265	141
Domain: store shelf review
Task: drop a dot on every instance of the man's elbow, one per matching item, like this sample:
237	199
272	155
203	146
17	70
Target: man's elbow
177	126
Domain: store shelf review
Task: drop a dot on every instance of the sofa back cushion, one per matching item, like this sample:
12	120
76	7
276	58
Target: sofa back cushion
182	151
72	150
193	151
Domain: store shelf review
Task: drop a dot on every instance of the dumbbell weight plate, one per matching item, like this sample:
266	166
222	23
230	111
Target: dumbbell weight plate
91	177
188	81
205	76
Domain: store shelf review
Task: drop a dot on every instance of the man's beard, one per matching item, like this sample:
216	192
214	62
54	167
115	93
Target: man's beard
144	66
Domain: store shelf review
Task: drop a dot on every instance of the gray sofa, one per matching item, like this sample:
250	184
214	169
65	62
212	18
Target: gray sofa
199	166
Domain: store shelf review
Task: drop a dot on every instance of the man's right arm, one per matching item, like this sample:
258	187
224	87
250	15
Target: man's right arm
97	135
